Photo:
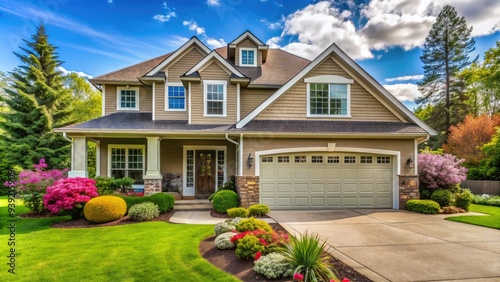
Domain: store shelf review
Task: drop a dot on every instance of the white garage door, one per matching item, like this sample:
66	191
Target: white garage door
326	180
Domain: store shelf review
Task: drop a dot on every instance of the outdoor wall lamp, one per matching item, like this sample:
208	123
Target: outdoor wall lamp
250	160
409	162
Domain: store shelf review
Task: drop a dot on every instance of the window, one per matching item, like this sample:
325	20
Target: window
127	161
248	57
328	99
300	159
349	159
267	159
176	98
221	161
366	159
215	98
383	160
189	168
128	98
284	159
333	159
317	159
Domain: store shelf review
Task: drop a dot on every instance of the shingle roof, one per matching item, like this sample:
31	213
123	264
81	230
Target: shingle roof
317	126
142	121
133	72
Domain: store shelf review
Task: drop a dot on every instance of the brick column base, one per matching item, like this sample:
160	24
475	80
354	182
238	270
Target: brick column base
247	187
152	186
408	189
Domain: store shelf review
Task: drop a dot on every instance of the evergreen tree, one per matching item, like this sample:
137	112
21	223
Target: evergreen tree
446	53
37	102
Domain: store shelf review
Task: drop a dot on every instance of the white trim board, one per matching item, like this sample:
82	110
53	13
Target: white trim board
216	56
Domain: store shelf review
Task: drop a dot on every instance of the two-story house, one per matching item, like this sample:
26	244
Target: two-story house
296	133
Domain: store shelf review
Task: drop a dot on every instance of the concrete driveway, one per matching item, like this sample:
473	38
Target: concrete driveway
392	245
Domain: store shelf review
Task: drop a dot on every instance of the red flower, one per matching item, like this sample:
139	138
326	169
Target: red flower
346	280
298	277
257	255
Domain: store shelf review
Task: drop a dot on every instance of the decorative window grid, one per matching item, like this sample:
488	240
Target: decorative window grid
366	159
349	159
300	159
190	168
383	160
267	159
283	159
333	159
220	168
317	159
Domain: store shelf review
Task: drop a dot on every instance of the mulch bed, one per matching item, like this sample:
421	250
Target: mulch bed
225	260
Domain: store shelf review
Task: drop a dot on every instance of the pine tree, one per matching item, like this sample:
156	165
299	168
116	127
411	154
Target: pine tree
37	102
446	53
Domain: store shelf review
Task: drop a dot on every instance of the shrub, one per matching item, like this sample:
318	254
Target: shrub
33	184
486	199
273	265
237	212
258	210
69	195
249	224
440	171
105	209
225	200
248	246
463	199
306	255
223	241
105	185
228	185
223	227
443	197
423	206
165	202
143	211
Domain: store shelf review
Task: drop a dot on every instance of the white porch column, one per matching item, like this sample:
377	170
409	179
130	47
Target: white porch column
78	158
153	158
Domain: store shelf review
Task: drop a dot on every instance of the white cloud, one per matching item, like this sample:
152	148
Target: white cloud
110	1
176	41
273	25
215	43
193	25
213	3
273	42
405	78
164	18
403	92
79	73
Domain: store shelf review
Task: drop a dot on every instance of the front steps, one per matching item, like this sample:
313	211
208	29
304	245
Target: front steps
193	205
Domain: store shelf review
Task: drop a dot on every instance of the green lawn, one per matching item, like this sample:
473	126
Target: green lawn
492	220
151	251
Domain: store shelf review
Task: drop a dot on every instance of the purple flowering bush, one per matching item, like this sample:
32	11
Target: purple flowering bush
440	171
32	184
69	196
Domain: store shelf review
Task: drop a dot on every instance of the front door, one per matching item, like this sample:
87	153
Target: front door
205	173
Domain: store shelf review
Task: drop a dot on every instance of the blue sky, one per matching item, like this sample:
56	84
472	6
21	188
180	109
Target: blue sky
385	37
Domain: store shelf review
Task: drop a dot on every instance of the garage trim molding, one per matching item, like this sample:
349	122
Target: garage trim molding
332	148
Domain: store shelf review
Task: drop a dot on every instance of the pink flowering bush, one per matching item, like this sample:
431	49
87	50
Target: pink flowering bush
33	184
69	196
440	171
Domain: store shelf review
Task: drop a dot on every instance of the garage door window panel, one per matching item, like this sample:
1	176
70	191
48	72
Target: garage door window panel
383	160
349	159
333	159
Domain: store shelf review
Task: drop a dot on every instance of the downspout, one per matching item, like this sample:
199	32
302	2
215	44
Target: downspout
237	150
66	137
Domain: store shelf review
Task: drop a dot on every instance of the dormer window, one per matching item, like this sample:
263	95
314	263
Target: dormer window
248	57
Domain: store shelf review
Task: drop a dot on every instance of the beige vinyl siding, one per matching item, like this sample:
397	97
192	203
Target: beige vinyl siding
145	98
171	150
174	71
251	98
405	146
212	72
126	141
247	43
292	105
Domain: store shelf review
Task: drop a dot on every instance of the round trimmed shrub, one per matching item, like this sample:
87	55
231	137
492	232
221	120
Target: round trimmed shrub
273	265
104	209
223	241
143	211
423	206
237	212
443	197
463	199
250	224
248	246
258	210
224	200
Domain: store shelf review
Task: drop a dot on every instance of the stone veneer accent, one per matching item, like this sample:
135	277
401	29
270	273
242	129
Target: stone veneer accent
172	182
408	189
152	186
248	189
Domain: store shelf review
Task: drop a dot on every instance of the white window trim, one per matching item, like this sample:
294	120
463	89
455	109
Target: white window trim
308	97
254	57
224	102
120	146
166	97
118	98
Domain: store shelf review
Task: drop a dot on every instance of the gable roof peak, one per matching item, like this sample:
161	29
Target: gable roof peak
243	36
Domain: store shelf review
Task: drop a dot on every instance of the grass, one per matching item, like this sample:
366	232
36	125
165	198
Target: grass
492	220
150	251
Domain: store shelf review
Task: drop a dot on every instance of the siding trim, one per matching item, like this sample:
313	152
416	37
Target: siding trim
103	100
238	102
98	158
154	100
189	106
